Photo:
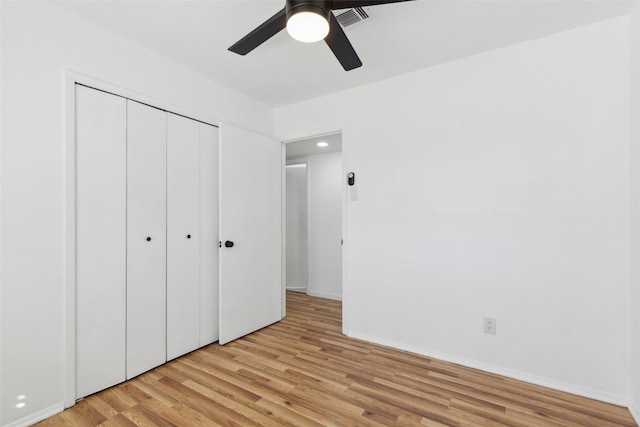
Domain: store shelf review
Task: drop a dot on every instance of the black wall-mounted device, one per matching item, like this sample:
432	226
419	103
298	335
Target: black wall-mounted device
351	178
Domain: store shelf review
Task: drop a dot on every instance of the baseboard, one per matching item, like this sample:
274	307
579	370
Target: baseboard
297	288
324	295
516	375
635	413
38	416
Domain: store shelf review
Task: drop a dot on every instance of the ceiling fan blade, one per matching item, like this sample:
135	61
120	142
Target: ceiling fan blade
346	4
264	32
341	46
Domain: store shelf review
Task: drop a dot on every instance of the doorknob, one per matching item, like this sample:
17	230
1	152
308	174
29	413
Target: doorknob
188	236
228	244
148	239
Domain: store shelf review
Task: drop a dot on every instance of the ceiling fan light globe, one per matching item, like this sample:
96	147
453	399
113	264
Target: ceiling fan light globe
307	27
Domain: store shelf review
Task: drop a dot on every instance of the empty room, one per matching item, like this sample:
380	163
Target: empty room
319	212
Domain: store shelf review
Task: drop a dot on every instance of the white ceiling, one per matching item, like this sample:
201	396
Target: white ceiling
309	146
399	38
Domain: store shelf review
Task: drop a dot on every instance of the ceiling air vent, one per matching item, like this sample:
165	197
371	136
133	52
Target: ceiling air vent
351	16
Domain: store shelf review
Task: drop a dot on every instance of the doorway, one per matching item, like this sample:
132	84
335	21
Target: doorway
314	203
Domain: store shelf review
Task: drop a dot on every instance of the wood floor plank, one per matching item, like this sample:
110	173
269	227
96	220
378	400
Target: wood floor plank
118	421
155	416
245	409
101	406
303	372
182	415
138	417
292	413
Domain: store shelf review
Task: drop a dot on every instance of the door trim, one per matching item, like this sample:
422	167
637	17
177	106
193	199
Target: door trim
283	230
295	161
345	219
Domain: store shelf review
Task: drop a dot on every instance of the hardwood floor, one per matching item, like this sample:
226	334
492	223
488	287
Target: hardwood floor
303	372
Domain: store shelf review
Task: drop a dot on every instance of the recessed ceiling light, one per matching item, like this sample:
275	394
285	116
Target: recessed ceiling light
322	144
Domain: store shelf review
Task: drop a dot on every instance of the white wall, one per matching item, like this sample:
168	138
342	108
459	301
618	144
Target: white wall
325	225
297	217
496	185
39	41
634	54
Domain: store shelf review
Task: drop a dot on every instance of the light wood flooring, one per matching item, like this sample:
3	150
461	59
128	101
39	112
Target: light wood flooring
303	372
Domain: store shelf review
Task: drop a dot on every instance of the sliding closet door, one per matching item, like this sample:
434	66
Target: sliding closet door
183	235
100	240
209	234
250	230
146	238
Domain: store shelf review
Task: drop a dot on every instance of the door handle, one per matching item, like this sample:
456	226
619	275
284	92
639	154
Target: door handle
228	244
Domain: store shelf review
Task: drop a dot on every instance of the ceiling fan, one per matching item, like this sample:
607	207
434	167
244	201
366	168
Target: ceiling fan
310	21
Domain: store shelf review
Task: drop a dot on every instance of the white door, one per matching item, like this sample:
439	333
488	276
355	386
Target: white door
146	238
183	235
208	234
100	240
250	231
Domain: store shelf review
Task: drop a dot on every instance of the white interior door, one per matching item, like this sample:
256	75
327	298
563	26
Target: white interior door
250	219
183	235
146	238
100	240
208	234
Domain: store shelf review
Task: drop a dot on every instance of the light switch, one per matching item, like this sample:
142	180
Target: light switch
354	194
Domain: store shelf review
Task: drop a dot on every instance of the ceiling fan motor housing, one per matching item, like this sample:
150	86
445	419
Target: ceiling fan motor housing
321	7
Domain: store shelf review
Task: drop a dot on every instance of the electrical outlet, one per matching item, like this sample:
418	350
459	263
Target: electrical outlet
489	325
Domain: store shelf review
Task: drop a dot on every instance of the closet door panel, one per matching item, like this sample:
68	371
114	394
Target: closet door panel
183	235
251	221
100	240
209	234
146	238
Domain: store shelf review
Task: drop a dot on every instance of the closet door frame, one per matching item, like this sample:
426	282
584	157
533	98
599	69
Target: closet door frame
71	79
